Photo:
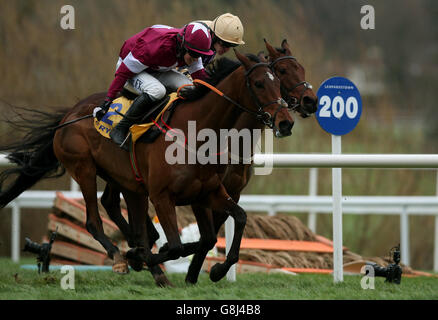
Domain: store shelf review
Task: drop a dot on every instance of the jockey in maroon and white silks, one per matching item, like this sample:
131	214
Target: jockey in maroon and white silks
154	53
148	60
146	66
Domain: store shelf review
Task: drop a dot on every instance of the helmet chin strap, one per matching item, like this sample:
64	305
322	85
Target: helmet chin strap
214	39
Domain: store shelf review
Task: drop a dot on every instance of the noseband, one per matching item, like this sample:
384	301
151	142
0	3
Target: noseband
293	103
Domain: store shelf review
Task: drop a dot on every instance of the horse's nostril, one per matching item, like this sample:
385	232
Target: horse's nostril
307	100
285	127
310	103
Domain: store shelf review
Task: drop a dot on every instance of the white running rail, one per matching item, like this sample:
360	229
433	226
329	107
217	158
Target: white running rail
399	205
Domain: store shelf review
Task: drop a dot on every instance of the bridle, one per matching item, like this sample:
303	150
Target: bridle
261	115
264	116
293	103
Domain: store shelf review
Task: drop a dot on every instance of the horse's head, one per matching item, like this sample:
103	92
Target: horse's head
264	87
294	88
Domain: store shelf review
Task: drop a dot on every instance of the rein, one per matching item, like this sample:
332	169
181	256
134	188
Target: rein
293	103
260	114
223	95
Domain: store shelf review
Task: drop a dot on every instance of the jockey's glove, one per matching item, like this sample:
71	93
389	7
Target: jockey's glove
100	111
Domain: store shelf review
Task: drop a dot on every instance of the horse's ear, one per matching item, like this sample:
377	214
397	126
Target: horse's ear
272	52
243	59
262	57
285	46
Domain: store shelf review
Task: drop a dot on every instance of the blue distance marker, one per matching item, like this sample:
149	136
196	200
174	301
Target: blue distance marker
339	106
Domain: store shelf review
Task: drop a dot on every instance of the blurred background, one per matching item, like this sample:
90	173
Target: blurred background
395	67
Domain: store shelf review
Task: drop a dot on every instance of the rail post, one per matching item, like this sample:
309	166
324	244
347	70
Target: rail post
229	234
338	268
15	229
404	236
435	254
313	190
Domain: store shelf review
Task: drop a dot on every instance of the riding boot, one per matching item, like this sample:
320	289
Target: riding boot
138	107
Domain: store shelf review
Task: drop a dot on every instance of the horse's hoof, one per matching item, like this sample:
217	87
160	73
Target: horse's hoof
162	281
217	272
121	268
191	282
136	265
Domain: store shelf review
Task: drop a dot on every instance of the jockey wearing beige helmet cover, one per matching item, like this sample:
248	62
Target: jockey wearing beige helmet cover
226	32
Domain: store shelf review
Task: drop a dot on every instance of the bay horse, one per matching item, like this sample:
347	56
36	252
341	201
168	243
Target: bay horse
85	154
300	97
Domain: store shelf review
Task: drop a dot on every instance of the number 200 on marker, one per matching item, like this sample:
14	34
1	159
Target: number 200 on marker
338	107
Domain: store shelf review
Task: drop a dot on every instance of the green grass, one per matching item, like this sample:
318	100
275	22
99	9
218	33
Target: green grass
18	284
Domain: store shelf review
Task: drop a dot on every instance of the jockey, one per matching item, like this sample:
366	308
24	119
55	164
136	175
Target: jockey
146	67
226	31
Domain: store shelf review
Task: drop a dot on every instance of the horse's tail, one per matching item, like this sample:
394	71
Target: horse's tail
33	155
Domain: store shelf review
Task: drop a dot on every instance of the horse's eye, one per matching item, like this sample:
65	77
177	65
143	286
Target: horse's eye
259	84
282	71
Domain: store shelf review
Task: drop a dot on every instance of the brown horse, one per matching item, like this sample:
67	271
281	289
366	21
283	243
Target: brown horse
295	89
85	154
300	98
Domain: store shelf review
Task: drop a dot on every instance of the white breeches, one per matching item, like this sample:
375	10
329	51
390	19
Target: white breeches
155	83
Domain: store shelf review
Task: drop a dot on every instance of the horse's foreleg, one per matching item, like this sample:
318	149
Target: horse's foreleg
207	241
166	213
137	212
141	225
165	209
220	201
153	234
86	178
111	202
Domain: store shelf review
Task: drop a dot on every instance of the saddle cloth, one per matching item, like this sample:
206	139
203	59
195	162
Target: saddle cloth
121	105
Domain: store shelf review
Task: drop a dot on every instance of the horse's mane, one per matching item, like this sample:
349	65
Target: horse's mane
217	71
